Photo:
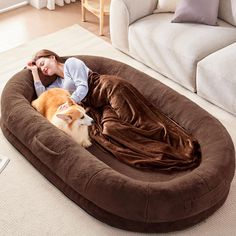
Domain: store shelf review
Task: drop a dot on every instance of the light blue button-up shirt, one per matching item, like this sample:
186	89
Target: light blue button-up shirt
75	80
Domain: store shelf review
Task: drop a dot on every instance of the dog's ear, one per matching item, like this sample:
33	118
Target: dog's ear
66	118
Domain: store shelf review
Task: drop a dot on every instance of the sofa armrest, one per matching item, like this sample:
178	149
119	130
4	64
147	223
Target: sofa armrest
122	14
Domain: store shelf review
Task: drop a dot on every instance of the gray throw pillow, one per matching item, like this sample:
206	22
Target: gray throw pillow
197	11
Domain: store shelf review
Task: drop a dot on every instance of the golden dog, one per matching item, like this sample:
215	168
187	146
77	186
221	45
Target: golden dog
55	104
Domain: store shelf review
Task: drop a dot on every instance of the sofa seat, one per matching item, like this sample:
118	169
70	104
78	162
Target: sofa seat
216	78
174	49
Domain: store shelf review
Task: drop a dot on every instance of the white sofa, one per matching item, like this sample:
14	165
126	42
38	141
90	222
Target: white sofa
202	58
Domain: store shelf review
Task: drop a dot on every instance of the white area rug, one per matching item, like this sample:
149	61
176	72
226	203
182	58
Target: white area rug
30	205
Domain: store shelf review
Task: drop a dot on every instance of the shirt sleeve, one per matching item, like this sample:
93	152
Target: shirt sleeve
78	72
40	88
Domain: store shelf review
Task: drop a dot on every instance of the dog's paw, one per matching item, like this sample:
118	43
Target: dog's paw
86	143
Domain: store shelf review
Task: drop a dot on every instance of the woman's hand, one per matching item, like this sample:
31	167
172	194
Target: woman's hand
34	70
63	107
31	66
67	104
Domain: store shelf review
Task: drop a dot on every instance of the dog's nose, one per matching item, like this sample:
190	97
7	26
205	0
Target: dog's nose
92	121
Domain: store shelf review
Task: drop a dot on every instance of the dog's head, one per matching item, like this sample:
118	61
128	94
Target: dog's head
72	113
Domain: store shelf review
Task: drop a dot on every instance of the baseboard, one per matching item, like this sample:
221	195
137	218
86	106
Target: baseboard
14	7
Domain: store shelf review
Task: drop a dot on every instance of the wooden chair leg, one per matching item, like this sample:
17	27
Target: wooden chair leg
101	24
101	17
83	10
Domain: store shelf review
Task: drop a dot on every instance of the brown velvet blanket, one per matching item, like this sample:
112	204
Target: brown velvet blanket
134	131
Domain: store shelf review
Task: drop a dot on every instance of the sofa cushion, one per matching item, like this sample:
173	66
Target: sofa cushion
216	79
227	11
201	11
175	49
166	6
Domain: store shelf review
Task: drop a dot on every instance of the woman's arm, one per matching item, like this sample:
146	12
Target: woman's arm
81	91
39	88
77	71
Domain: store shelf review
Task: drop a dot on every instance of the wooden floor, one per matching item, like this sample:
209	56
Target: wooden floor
26	23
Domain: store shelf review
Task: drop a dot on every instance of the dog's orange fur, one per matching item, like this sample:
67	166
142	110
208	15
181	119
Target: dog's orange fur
48	102
68	118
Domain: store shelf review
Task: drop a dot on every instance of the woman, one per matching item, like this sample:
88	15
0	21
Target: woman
126	124
72	74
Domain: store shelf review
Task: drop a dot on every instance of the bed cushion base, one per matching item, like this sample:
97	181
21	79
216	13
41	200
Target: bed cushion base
101	214
111	191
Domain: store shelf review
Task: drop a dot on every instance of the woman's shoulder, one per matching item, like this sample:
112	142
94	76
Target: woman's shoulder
74	66
73	61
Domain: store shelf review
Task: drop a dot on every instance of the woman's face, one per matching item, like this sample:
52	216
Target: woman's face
48	65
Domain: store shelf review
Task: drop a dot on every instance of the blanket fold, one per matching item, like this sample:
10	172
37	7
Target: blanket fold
134	131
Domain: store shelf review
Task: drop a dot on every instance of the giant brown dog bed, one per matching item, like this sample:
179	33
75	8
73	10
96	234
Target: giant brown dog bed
113	192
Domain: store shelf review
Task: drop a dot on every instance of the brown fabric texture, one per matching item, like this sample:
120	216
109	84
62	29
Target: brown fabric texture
134	131
108	189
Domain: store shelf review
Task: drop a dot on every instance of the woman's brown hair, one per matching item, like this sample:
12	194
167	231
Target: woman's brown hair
46	53
46	80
